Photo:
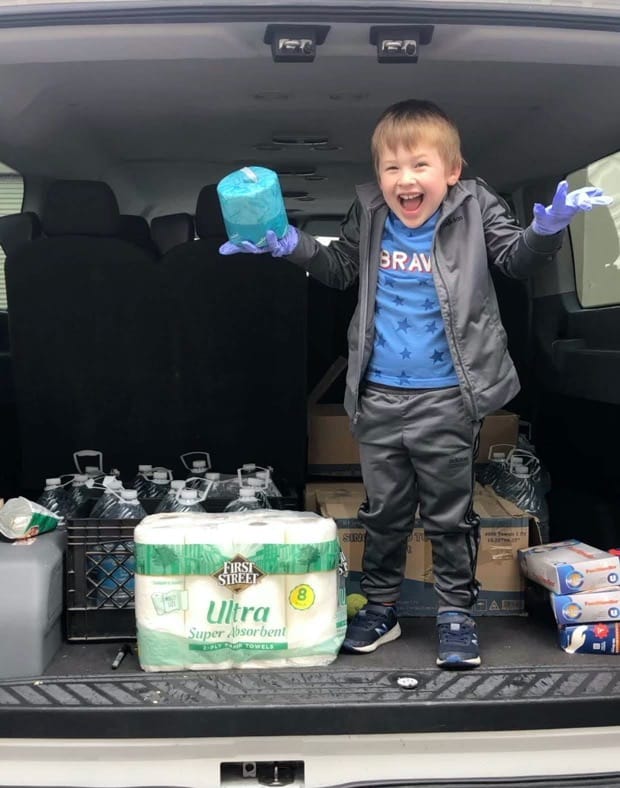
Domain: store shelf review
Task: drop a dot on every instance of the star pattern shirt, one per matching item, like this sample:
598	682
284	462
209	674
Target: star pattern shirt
410	346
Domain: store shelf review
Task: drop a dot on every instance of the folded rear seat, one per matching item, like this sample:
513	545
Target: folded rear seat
238	331
82	306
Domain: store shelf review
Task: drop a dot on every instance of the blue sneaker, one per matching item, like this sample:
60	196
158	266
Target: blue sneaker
458	641
372	627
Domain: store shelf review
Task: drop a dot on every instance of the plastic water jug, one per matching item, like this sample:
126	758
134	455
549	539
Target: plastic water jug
55	498
127	507
252	203
176	485
196	468
259	486
158	485
108	498
221	485
79	492
246	502
142	479
186	500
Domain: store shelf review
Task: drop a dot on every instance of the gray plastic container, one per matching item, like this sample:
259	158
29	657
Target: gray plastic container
31	582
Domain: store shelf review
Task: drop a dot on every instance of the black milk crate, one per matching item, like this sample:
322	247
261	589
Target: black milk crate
99	580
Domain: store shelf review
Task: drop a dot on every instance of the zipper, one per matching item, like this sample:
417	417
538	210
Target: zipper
447	319
364	290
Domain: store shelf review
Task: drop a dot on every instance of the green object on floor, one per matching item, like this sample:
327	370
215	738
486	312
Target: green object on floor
355	602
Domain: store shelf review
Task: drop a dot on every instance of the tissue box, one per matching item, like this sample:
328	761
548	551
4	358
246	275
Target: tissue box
570	567
597	638
586	607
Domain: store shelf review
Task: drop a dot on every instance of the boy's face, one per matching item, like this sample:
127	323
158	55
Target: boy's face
415	181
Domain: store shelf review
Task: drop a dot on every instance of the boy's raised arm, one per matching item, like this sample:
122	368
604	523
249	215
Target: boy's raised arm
519	253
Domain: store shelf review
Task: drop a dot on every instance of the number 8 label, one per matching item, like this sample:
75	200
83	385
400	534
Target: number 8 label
302	597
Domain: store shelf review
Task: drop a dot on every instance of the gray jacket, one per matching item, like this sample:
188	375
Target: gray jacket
475	228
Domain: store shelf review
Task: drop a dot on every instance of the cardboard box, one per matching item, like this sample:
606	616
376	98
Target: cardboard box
332	449
499	428
591	639
341	499
570	567
504	530
587	608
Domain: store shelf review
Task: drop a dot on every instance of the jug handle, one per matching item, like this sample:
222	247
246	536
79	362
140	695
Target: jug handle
204	454
88	453
202	494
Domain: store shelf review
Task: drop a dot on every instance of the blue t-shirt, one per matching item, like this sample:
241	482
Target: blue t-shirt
410	346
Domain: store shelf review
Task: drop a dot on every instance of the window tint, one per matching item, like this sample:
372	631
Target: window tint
11	199
595	234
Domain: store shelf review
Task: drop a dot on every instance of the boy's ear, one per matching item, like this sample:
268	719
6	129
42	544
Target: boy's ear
455	175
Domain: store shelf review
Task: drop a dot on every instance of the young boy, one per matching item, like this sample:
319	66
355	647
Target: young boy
427	354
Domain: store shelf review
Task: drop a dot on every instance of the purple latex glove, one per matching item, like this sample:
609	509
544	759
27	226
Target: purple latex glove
276	247
565	204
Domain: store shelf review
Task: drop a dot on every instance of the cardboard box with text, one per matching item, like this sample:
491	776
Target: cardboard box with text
504	529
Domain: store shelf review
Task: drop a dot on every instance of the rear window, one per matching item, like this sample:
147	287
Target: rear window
11	199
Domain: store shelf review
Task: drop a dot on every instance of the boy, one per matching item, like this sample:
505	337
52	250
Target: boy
427	354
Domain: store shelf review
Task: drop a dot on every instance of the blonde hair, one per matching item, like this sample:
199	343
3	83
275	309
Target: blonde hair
409	122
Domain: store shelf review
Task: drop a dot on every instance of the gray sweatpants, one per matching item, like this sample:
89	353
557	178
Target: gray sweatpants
418	446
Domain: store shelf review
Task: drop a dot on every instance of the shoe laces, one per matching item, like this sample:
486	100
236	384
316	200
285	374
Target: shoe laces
373	615
461	635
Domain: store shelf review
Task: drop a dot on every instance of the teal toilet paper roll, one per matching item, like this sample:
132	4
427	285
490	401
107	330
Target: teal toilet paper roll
252	203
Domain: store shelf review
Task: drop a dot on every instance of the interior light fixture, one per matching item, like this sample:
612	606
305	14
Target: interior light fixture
400	44
295	44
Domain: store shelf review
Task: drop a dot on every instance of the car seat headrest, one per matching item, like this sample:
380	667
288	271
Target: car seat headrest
172	230
209	219
80	208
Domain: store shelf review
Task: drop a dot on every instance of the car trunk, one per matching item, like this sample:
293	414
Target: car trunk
534	92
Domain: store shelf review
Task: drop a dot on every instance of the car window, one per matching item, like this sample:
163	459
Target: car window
11	199
595	234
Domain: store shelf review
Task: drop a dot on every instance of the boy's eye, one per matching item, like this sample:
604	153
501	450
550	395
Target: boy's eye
421	164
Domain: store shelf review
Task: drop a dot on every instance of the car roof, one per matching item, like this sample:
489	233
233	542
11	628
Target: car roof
159	104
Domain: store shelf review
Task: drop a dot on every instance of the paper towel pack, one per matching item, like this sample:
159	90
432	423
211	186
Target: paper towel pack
211	646
313	621
245	590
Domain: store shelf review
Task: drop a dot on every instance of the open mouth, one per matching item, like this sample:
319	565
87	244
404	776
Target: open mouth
411	203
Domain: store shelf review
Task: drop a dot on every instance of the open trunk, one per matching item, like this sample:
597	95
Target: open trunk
160	99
